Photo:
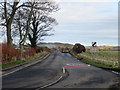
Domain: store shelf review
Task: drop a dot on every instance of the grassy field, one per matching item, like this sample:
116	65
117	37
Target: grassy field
106	55
104	59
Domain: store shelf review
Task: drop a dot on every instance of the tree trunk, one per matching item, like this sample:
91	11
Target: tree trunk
9	22
32	41
9	37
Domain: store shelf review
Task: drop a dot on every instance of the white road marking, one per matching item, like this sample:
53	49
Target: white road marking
63	70
116	72
89	65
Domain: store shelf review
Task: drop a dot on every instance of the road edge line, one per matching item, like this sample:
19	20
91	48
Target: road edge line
26	65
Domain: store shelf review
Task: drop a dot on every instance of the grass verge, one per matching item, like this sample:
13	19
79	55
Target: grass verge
91	62
23	60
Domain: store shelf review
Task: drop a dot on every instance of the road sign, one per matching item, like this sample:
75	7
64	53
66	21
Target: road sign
94	47
94	44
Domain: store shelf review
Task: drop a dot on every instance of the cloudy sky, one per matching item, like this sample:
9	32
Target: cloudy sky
86	21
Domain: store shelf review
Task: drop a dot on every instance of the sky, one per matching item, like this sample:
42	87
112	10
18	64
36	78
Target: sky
86	21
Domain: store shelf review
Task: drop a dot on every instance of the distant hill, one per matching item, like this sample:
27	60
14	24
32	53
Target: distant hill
57	44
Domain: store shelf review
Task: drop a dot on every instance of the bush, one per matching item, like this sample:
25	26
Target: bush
9	54
29	52
41	49
33	51
12	54
78	48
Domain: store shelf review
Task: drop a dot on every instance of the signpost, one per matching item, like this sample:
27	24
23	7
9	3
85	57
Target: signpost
94	49
94	44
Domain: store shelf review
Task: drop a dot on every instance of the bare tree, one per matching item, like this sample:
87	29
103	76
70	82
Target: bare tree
37	22
9	10
40	27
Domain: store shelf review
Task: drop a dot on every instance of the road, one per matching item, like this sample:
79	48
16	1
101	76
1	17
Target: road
80	75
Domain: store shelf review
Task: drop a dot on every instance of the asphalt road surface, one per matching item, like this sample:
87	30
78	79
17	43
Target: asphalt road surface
80	75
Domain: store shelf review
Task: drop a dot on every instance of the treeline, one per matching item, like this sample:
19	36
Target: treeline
27	20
